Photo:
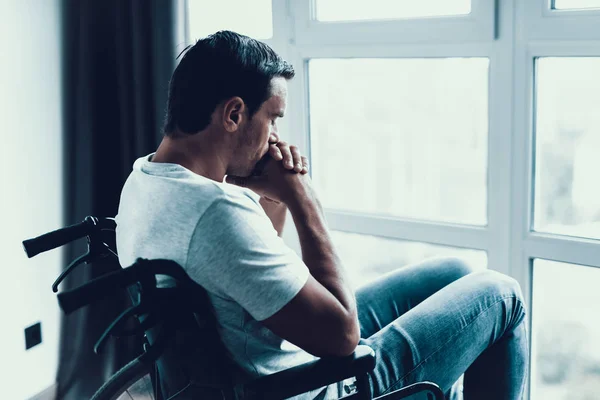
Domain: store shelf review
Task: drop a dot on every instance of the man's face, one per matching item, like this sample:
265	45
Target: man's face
254	139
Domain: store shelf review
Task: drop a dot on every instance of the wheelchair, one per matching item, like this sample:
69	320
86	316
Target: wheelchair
183	357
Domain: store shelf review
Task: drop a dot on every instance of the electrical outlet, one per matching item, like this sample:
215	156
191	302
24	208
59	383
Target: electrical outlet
33	335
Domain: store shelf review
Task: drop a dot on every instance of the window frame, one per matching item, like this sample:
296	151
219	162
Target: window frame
544	22
532	42
535	244
476	26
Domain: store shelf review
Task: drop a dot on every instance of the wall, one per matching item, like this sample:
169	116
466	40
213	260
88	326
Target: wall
31	190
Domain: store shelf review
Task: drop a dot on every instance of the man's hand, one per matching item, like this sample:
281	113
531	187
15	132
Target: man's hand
289	155
275	175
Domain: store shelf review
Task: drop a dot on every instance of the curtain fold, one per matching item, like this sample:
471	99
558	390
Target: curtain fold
118	56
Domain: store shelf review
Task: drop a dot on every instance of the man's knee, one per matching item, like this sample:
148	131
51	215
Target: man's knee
503	285
456	268
508	289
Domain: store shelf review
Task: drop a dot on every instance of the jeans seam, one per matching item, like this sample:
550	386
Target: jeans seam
448	341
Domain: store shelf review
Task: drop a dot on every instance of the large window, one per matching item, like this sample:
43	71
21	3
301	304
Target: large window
421	126
467	128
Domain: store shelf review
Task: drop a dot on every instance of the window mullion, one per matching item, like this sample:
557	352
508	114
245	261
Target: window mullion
464	236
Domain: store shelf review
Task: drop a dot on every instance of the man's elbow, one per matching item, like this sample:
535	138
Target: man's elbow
351	341
347	340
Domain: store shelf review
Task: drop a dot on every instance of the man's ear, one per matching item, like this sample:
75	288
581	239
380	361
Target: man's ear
234	112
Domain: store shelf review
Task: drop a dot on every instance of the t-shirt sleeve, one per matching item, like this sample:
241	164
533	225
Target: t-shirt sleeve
235	252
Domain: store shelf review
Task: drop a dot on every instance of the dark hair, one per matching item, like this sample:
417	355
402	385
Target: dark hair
216	68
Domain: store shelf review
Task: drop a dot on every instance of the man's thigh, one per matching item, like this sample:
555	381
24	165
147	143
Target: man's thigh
439	338
382	301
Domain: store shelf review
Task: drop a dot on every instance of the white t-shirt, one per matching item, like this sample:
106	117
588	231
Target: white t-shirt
221	236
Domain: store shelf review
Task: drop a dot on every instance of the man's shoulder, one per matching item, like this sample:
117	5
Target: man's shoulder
234	205
180	185
236	214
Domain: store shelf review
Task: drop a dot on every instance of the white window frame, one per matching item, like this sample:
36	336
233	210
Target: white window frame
476	26
542	32
546	23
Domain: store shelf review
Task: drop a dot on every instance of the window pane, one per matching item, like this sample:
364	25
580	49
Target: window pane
406	137
344	10
575	4
234	15
367	257
566	331
567	194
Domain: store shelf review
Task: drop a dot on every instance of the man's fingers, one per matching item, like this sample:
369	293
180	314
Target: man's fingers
275	152
297	158
304	165
290	156
288	160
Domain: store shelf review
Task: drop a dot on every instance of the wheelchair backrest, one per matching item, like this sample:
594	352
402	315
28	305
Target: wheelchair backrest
195	355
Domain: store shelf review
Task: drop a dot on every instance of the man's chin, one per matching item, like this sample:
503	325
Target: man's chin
260	165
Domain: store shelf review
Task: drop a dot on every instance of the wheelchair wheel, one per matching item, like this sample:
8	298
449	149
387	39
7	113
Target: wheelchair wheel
132	382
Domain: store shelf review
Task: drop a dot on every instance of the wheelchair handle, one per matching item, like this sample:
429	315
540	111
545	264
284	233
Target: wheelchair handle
62	236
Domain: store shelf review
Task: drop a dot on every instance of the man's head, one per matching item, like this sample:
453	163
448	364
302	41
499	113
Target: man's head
232	84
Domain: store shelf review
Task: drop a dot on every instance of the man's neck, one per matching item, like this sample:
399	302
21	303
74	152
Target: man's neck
203	157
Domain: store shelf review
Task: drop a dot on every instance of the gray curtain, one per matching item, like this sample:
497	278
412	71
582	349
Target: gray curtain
118	59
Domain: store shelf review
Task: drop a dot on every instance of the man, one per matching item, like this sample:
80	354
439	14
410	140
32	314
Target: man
213	197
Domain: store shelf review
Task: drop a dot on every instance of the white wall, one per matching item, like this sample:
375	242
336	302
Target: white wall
31	188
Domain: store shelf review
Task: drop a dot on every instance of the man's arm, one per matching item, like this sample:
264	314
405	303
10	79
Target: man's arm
326	301
322	317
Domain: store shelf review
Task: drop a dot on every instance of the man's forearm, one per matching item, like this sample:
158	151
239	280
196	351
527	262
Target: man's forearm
318	252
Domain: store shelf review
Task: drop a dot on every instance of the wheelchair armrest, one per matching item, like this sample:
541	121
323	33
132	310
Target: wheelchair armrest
312	375
426	389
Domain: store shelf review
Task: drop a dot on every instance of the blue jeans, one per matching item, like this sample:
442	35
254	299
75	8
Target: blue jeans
438	320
